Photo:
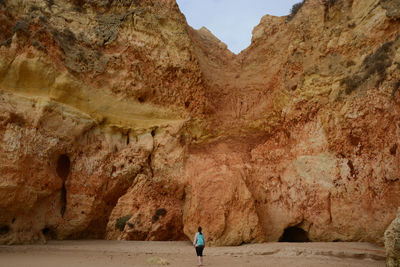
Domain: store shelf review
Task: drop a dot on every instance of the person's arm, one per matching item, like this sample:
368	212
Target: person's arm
195	240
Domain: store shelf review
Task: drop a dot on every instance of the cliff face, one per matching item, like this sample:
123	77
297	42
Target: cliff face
119	121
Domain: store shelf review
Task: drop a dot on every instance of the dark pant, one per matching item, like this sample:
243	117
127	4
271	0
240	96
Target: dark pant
199	250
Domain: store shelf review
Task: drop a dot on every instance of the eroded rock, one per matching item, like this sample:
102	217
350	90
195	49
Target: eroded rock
392	242
392	8
119	121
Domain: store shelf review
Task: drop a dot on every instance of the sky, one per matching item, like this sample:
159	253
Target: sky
232	21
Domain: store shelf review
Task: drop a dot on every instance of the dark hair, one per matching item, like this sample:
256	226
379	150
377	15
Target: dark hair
199	229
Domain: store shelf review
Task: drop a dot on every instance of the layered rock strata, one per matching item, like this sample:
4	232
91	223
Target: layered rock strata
119	121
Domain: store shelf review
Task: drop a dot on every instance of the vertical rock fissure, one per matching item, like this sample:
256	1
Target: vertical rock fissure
128	138
153	133
63	170
63	200
330	207
149	163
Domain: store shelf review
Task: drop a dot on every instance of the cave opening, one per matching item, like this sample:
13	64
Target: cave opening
393	150
45	230
63	166
48	233
294	234
4	230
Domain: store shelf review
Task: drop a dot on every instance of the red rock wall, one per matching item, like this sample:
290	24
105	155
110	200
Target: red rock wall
119	121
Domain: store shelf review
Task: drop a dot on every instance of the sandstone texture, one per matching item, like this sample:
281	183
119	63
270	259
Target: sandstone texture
120	121
392	242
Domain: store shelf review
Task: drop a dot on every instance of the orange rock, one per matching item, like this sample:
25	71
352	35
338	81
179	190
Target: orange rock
120	121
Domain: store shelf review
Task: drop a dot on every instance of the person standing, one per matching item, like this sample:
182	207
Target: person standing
199	243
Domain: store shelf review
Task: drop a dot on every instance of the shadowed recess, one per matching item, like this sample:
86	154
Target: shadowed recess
294	234
4	230
48	233
63	166
63	170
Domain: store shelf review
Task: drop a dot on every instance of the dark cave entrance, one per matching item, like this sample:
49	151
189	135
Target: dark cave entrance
294	234
4	230
48	233
63	166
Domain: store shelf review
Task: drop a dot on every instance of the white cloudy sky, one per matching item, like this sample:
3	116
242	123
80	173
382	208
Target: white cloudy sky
232	20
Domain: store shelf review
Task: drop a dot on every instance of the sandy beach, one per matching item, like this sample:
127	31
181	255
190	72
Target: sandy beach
101	253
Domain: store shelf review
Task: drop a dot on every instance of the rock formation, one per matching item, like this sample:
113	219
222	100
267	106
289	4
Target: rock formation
392	242
119	121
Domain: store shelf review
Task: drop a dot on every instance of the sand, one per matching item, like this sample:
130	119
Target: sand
101	253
